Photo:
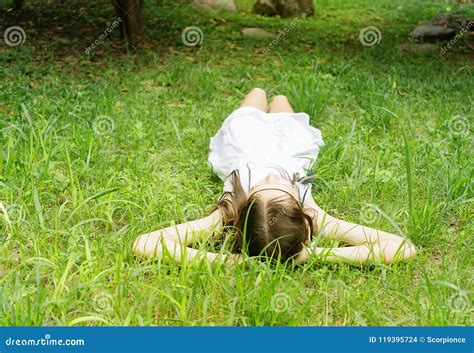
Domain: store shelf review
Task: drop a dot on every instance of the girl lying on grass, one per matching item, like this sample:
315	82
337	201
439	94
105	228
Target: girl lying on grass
262	154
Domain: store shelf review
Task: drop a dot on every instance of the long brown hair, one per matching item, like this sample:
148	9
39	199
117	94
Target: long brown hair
277	228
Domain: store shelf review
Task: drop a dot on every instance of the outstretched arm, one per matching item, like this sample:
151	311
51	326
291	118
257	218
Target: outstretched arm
174	240
371	245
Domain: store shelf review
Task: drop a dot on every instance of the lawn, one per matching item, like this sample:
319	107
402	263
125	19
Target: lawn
98	148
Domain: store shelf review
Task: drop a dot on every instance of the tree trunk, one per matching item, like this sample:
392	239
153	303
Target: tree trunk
131	26
284	8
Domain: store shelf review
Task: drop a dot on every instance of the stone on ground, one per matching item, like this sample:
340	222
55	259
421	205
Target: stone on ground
441	28
256	33
215	5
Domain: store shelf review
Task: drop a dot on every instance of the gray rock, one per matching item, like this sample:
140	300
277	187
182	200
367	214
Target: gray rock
215	5
442	27
432	32
257	33
284	8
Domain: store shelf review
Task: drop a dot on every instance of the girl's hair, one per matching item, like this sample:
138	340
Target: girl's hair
277	228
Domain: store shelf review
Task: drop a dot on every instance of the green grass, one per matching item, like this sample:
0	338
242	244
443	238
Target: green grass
398	133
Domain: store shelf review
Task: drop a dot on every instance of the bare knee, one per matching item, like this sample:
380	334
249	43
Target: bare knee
257	91
256	98
280	104
280	98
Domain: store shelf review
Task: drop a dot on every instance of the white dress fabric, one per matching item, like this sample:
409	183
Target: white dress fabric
257	143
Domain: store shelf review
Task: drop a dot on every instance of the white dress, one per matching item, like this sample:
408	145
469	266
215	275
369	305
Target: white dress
256	143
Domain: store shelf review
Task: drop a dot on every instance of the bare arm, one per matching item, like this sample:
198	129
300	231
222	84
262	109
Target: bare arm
174	240
371	245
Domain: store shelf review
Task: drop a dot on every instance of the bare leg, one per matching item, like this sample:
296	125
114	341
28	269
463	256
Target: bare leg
256	98
280	104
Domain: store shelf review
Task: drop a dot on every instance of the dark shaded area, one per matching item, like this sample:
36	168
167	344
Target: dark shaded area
129	13
62	30
284	8
57	29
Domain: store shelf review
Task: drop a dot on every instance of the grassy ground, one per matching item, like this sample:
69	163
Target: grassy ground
99	148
